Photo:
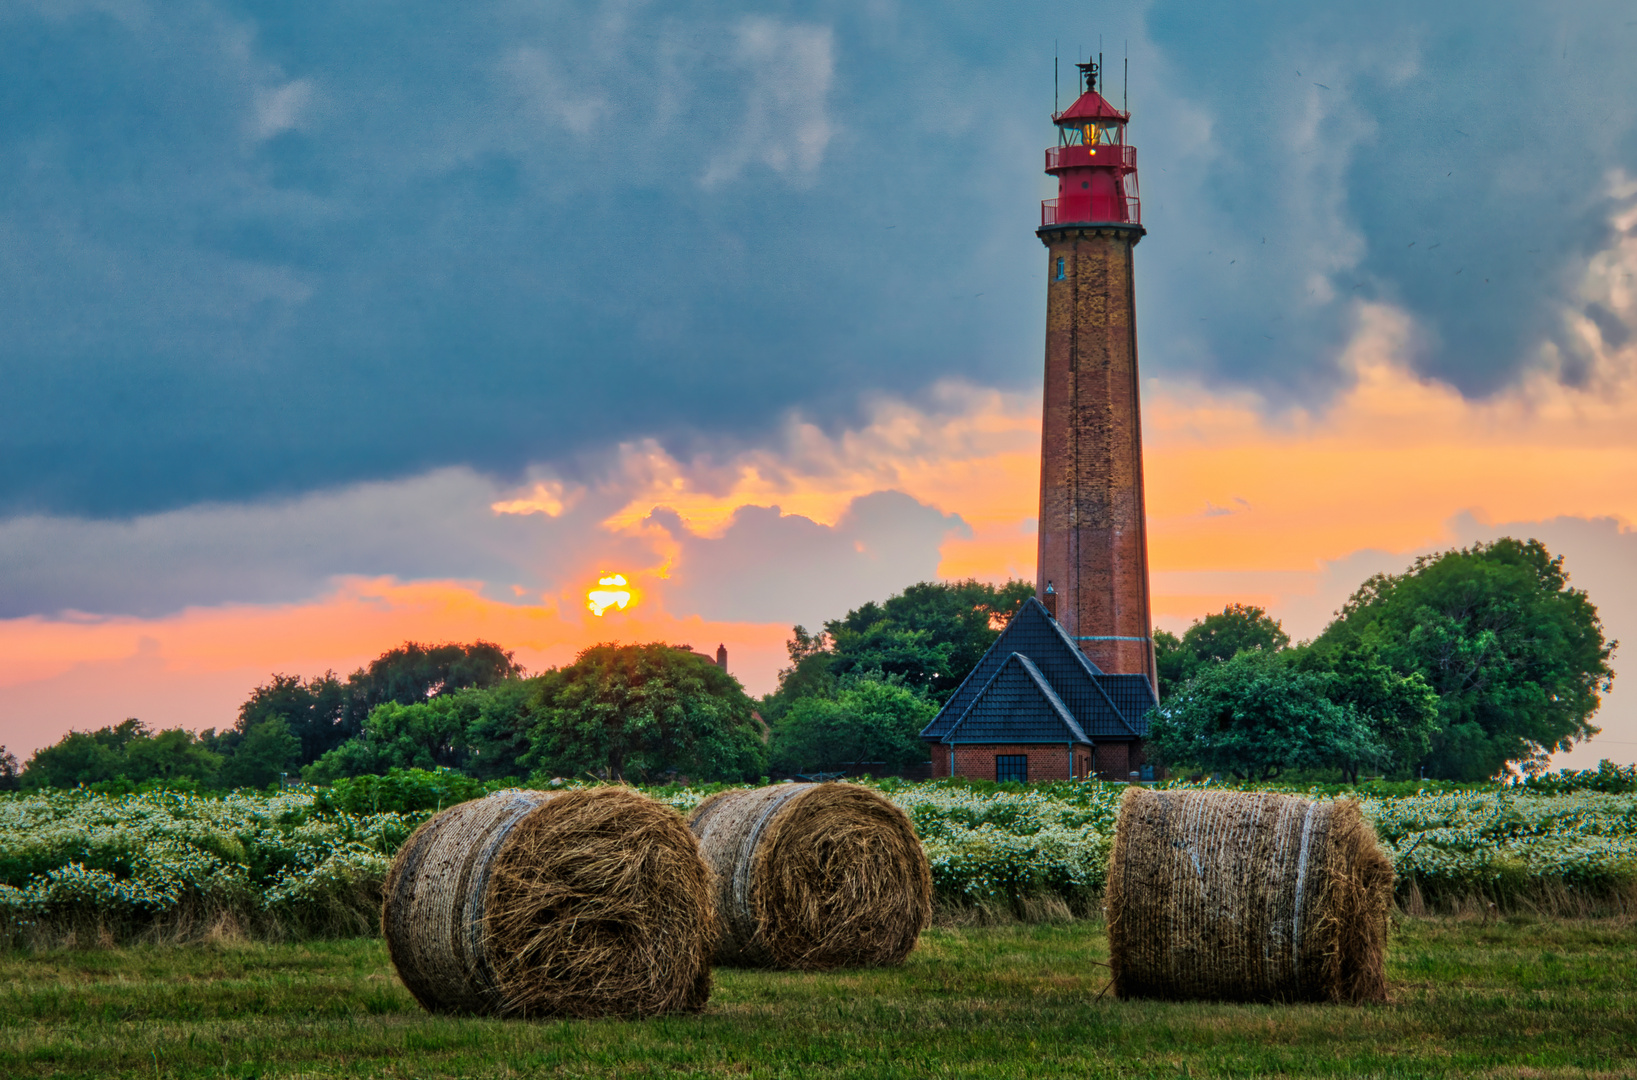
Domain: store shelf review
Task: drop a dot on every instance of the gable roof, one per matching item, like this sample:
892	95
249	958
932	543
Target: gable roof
1017	705
1074	678
1133	695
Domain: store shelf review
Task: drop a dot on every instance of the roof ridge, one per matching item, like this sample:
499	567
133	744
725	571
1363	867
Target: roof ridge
1041	684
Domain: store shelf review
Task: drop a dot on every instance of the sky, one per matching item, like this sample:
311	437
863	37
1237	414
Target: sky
331	328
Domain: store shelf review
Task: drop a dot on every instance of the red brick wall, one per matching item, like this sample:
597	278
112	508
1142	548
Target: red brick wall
1112	761
1047	761
1093	541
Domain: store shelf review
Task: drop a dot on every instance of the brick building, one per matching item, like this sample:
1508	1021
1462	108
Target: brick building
1037	708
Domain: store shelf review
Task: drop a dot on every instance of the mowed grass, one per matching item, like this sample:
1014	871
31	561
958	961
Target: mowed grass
1507	999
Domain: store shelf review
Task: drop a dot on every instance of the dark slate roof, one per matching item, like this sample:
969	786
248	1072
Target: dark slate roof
1133	695
1018	705
1035	634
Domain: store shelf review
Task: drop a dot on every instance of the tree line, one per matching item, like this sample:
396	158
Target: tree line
1471	662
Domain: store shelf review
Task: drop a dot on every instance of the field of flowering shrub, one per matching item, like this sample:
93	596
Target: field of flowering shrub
75	864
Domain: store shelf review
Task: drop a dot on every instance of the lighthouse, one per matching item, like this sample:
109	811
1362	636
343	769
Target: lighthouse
1064	692
1093	544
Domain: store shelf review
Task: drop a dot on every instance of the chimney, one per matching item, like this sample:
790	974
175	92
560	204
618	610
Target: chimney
1050	600
722	657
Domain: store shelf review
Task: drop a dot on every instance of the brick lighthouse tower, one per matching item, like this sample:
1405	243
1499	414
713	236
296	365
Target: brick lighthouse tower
1064	692
1093	562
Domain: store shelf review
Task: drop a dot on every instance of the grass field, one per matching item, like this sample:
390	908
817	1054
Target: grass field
1507	999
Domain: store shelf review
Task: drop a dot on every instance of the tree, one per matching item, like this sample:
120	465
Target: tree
808	675
1229	632
482	731
1219	636
1400	710
314	711
930	637
642	711
262	755
414	672
1517	657
1257	715
1172	663
868	720
125	750
426	735
10	778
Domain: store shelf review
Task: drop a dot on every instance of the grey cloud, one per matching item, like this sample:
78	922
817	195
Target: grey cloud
774	567
433	526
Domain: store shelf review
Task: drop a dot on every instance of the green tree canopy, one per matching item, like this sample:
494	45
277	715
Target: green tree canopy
323	713
1257	715
868	720
928	637
1517	657
314	711
482	731
1219	636
1401	711
126	750
641	711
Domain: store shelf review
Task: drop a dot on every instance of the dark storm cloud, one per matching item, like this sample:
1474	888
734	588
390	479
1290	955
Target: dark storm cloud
1451	159
253	249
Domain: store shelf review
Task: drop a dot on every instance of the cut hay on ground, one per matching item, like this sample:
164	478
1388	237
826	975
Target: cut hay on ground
1246	897
528	903
814	876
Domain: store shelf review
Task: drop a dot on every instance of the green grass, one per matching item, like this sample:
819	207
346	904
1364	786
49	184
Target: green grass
1507	999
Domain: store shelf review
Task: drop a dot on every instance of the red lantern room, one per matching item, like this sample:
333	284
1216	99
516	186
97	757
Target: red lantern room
1096	171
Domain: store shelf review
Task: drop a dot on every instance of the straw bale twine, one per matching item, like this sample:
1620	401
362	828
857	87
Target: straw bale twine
529	903
813	876
1246	897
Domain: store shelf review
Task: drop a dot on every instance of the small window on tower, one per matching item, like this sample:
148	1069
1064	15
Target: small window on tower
1059	275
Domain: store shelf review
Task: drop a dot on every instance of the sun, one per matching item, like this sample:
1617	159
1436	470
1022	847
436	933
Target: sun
611	592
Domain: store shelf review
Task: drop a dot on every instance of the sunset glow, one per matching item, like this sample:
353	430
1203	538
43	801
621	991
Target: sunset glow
611	592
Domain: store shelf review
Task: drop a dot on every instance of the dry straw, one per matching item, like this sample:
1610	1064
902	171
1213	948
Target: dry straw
1246	897
814	876
528	903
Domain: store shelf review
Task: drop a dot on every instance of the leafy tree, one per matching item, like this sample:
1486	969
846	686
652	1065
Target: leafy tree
929	637
1400	710
1517	657
262	755
1229	632
500	735
1255	716
414	672
427	735
868	720
808	675
640	711
10	779
126	750
1219	636
484	732
315	711
1172	663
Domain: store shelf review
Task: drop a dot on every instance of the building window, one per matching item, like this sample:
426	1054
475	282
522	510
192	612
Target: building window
1011	767
1059	275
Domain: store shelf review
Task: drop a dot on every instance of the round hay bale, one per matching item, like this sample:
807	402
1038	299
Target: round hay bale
530	903
813	876
1246	897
